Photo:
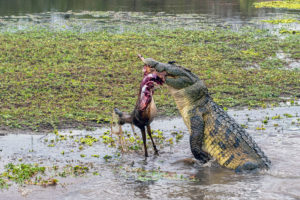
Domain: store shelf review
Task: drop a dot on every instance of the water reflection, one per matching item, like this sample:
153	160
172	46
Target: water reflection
122	15
222	8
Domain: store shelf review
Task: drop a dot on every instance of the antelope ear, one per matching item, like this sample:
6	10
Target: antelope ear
141	57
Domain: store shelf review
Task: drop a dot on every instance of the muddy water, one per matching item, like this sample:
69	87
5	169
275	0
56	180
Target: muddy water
171	175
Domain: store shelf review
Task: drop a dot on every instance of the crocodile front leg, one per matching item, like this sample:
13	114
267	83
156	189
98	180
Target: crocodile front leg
196	139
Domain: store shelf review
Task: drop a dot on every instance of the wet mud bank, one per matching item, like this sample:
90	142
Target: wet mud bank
88	165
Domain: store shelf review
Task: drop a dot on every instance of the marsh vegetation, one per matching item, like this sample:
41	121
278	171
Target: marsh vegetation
49	79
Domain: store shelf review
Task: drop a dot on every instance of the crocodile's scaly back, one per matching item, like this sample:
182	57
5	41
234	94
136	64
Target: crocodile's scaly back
227	141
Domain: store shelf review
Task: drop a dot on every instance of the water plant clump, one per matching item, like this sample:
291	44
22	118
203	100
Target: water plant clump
88	140
108	139
77	170
266	120
107	157
281	21
23	174
285	31
287	4
134	143
287	115
3	183
33	174
261	128
276	117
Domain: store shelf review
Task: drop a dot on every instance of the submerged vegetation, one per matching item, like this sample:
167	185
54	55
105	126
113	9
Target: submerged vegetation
281	21
33	174
132	141
67	160
143	175
3	184
285	31
25	174
288	4
54	78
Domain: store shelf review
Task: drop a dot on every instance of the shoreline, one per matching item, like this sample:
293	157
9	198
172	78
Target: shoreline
91	126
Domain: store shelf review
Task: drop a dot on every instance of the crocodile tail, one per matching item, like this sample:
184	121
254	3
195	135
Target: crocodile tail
249	140
266	161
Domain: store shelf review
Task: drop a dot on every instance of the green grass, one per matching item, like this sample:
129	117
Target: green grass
57	78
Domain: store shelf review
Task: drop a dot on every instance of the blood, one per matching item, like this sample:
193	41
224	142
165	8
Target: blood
147	86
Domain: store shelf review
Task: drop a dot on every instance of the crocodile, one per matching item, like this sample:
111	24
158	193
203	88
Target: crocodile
213	133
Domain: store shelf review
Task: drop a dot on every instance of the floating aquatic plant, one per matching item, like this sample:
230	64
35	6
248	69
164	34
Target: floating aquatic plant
287	115
88	140
22	173
288	4
281	21
285	31
156	174
276	117
107	157
76	170
261	127
266	120
3	183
